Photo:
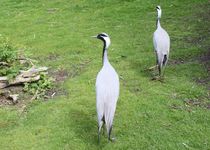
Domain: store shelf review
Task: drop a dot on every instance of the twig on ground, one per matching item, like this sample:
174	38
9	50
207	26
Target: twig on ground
4	64
35	95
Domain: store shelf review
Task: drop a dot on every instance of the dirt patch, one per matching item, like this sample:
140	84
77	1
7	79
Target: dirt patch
204	81
6	101
176	61
55	91
194	102
78	68
202	103
189	104
205	59
60	75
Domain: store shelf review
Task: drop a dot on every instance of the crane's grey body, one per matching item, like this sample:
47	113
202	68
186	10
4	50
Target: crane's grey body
107	90
161	42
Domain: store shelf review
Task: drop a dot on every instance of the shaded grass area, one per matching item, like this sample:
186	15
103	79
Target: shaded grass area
150	114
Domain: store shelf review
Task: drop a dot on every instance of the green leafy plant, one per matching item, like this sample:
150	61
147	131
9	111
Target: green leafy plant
12	67
8	53
39	88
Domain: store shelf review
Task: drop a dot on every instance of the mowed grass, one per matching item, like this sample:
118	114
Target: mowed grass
150	114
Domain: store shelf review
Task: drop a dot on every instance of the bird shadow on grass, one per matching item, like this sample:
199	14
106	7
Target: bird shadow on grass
85	127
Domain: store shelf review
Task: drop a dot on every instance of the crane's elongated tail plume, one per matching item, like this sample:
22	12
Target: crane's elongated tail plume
109	116
165	60
161	65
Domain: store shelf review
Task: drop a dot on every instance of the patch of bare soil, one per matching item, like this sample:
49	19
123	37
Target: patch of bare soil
176	61
6	100
204	81
60	75
78	68
196	102
55	91
205	59
189	104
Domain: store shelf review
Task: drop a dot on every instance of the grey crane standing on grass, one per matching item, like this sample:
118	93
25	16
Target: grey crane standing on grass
107	90
161	43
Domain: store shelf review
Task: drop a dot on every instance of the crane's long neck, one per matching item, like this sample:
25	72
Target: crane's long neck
158	22
105	54
159	12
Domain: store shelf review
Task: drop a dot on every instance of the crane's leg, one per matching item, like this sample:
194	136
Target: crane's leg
155	66
109	134
158	77
104	129
165	60
99	129
159	69
163	72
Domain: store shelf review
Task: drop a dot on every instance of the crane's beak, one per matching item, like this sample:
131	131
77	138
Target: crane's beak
94	36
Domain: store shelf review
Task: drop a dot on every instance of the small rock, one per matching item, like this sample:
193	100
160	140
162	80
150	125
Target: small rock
3	85
14	98
23	61
3	82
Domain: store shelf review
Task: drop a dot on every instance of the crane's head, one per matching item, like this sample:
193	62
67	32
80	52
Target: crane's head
105	38
159	11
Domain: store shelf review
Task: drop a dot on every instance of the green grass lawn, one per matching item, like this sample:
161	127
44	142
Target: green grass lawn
150	114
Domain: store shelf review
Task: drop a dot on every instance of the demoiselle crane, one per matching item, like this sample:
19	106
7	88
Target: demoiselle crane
107	90
161	42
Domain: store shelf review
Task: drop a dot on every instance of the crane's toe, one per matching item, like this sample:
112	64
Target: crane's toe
158	78
113	139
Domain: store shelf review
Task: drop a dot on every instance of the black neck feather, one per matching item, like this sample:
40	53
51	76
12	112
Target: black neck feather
104	49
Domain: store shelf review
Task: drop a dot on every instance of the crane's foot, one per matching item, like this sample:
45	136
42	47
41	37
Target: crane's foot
158	78
104	129
113	139
98	138
155	78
